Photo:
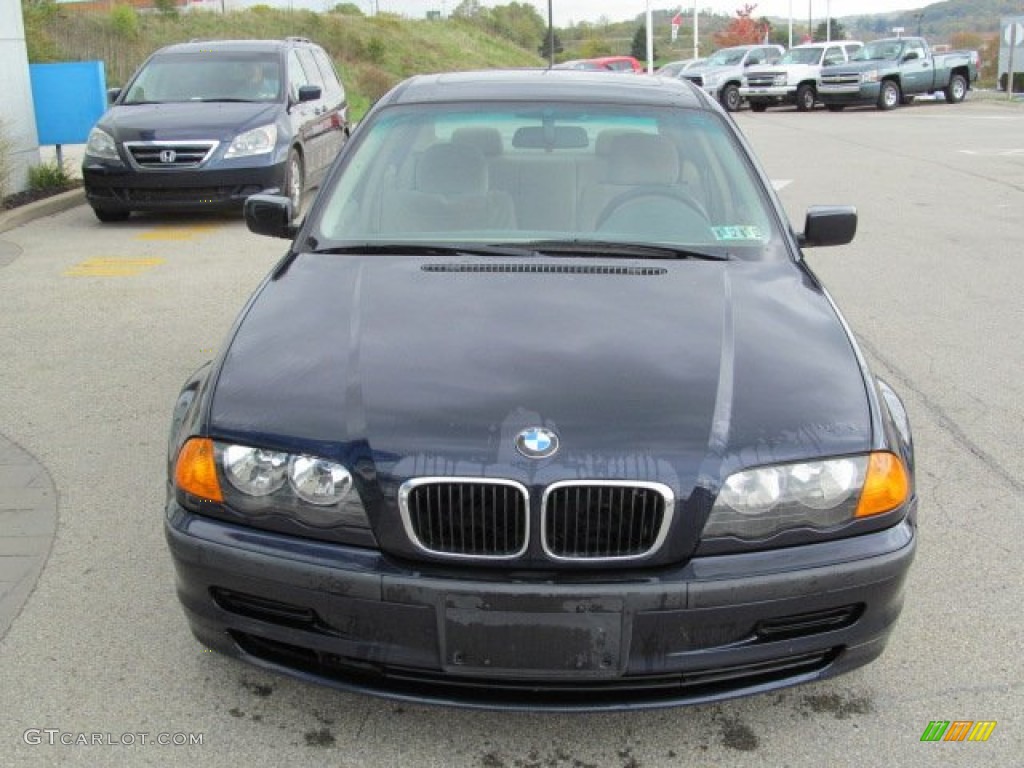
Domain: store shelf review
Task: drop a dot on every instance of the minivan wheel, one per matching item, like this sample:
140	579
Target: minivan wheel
294	182
109	215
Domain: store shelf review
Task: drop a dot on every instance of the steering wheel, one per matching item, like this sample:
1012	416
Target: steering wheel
675	194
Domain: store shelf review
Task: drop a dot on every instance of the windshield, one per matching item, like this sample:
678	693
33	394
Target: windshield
880	50
728	57
519	173
181	77
802	56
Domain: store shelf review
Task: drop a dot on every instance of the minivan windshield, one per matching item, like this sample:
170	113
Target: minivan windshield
205	76
519	173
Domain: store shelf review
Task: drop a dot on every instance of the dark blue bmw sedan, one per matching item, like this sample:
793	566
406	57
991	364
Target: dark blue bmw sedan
543	409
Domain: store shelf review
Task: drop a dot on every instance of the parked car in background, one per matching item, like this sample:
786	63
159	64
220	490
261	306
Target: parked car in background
721	75
891	71
203	125
676	68
795	79
543	408
605	64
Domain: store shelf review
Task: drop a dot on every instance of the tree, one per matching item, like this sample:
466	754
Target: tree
837	31
743	30
543	49
638	50
520	23
347	9
469	9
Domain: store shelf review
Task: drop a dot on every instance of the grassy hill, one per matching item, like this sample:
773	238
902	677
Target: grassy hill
371	53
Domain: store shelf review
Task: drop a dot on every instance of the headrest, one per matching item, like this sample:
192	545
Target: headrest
487	140
452	169
642	158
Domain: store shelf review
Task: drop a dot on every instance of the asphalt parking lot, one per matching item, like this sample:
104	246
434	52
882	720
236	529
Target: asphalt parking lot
100	324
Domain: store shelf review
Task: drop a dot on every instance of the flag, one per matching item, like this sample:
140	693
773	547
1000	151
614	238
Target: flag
677	21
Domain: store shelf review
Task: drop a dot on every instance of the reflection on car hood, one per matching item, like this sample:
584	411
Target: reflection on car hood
192	120
855	66
699	367
705	71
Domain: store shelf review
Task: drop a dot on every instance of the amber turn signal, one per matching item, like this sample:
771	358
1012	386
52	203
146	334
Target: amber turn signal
886	486
196	471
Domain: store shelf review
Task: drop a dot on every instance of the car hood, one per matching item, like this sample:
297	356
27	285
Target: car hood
185	121
858	66
705	71
686	369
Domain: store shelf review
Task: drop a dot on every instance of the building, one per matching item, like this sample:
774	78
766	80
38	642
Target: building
19	143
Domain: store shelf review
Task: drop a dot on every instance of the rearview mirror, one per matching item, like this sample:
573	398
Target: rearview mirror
309	92
828	225
112	94
270	215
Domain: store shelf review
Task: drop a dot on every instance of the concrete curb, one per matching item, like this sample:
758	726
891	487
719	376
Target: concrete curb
37	210
28	525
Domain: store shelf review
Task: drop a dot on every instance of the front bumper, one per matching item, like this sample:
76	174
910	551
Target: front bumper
776	93
864	93
716	628
119	187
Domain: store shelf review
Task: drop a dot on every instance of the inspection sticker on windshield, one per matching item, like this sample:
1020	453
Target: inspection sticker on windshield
737	233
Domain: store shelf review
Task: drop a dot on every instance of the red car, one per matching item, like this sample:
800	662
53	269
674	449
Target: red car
606	63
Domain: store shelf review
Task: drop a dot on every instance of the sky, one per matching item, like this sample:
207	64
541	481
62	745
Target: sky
574	11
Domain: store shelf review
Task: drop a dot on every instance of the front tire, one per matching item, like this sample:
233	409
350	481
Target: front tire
111	215
731	98
956	91
295	181
805	97
889	95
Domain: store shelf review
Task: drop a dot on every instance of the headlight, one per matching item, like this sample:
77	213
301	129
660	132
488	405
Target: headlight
101	144
780	79
262	483
318	481
252	471
258	141
758	503
871	76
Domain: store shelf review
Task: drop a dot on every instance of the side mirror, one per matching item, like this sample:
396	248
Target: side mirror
828	225
309	92
112	94
270	215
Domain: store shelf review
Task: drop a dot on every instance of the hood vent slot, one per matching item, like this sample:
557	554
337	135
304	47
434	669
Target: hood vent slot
548	269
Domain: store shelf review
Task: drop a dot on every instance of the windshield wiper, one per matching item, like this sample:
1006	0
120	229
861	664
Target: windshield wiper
224	99
615	248
429	249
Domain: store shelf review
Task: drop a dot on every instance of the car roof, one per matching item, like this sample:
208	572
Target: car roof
550	85
240	46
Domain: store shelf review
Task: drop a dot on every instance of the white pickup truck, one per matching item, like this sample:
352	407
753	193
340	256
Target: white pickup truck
796	76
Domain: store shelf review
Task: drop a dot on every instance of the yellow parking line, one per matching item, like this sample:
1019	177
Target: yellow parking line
177	233
111	267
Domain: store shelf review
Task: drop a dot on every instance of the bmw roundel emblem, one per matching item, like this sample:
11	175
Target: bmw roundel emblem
537	443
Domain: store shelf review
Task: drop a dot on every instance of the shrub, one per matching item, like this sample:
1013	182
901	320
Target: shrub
125	21
48	176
